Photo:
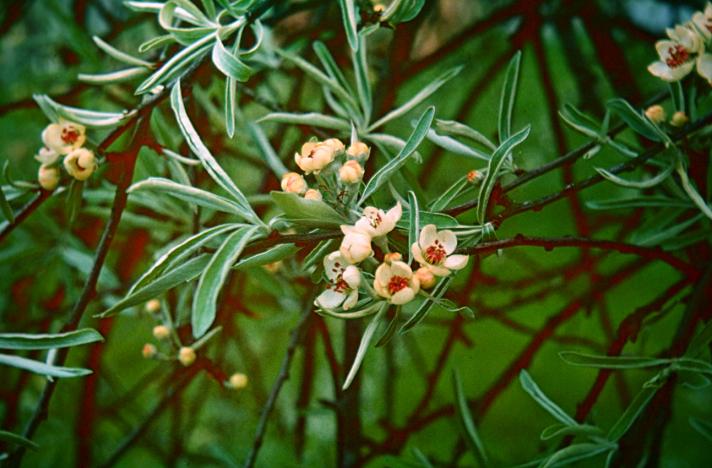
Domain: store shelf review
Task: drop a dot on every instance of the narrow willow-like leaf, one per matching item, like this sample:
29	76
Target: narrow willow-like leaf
118	76
493	168
180	252
390	330
552	408
468	429
414	140
307	212
212	279
229	63
453	127
678	96
190	194
691	365
6	208
15	439
634	119
211	165
330	65
119	55
314	119
271	255
445	198
49	341
318	253
179	275
702	427
424	462
661	234
269	155
426	305
576	452
508	97
631	413
580	121
176	63
641	184
421	96
363	84
74	200
89	118
363	345
402	11
700	341
457	147
413	222
155	42
610	362
559	430
230	106
42	368
350	20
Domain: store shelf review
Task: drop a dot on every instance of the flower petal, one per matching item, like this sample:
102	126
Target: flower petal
352	276
403	296
401	269
448	239
351	300
418	254
330	299
704	67
456	262
427	236
438	270
383	274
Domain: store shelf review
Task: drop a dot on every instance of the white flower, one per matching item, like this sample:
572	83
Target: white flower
433	251
686	37
702	21
359	150
47	156
344	280
351	172
64	137
396	282
356	245
80	163
704	67
675	61
48	177
293	183
315	156
313	194
377	223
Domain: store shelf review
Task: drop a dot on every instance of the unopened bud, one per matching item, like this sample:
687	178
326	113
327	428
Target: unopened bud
48	177
273	267
161	332
149	351
238	381
474	176
153	306
359	150
293	183
312	194
679	119
351	172
392	257
186	355
426	277
655	113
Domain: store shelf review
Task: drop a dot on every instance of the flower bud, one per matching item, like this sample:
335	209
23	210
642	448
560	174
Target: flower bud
149	351
186	355
273	267
293	183
80	163
48	177
335	144
312	194
238	381
351	172
475	176
355	246
392	257
655	113
679	119
359	150
426	277
161	332
152	306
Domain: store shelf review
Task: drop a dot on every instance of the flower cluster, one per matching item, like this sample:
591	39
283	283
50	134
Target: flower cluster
326	160
64	139
394	279
685	49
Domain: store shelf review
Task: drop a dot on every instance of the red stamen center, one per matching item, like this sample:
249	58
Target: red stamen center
396	283
70	135
435	253
375	220
677	56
